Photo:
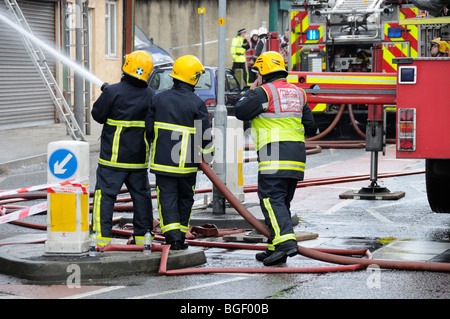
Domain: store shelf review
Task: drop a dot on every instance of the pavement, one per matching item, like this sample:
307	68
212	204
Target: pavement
25	146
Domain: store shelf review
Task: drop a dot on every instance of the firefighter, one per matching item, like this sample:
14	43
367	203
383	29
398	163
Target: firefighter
124	151
278	112
239	45
178	123
261	45
439	48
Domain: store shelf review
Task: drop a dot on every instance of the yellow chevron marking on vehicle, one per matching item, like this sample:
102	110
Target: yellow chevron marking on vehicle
376	80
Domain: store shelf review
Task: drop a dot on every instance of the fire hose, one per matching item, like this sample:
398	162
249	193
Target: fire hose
314	254
340	258
344	263
326	255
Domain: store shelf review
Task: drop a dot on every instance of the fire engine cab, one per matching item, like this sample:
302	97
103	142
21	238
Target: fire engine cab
376	55
341	35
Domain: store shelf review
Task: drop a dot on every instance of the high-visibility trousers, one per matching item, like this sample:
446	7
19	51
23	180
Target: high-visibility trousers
275	196
175	200
108	185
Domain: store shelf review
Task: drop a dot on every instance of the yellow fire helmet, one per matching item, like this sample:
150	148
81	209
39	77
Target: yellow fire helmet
443	45
188	69
270	62
138	64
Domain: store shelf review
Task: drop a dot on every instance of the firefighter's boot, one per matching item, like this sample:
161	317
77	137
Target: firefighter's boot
280	256
263	255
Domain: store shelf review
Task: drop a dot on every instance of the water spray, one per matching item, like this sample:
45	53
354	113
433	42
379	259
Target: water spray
75	66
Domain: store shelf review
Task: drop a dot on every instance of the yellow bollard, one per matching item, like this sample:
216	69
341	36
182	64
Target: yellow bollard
235	157
68	205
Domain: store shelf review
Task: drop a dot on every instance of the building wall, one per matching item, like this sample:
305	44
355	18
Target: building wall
176	26
107	69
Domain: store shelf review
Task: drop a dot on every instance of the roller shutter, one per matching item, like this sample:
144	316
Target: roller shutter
24	99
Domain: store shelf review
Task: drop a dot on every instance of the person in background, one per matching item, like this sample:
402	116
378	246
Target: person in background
436	8
239	45
124	151
261	47
439	48
251	56
284	46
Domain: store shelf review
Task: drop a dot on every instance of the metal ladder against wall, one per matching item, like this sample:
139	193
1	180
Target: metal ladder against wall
39	60
70	44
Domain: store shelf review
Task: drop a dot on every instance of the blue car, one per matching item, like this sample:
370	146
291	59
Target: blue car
160	80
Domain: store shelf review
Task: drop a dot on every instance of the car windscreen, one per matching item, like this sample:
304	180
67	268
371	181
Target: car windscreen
205	81
162	80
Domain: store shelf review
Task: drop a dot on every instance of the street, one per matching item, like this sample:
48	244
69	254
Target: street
403	229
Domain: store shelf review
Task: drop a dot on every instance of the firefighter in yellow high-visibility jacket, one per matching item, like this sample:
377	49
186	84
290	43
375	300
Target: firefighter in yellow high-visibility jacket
279	113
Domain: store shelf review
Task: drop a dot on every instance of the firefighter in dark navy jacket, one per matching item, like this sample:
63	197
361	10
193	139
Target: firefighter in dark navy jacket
279	114
124	152
179	123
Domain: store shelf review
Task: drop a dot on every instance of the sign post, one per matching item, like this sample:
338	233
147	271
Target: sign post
220	116
68	206
201	12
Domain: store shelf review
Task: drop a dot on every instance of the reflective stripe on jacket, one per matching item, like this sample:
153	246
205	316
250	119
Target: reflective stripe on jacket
178	122
279	132
122	108
282	118
180	148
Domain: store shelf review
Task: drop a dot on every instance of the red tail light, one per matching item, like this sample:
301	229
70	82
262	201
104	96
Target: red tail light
406	126
211	102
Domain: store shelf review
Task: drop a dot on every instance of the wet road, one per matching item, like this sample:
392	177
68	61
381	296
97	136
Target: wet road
403	229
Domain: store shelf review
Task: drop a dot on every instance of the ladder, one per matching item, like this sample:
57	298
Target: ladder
70	44
40	62
359	6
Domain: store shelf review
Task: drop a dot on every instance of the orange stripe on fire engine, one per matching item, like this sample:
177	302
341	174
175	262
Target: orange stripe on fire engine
409	12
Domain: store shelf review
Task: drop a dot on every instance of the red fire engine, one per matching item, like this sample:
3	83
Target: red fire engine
339	36
416	87
423	113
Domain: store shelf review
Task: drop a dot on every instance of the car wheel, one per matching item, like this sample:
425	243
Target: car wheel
437	177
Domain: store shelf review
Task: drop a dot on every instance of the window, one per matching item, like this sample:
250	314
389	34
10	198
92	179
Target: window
110	28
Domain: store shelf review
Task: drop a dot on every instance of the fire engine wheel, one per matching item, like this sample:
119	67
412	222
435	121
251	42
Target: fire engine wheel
437	176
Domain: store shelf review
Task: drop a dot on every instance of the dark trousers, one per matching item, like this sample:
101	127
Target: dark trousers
251	76
175	200
243	66
275	196
108	185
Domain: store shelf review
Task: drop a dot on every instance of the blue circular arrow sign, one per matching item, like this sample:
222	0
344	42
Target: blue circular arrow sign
63	164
